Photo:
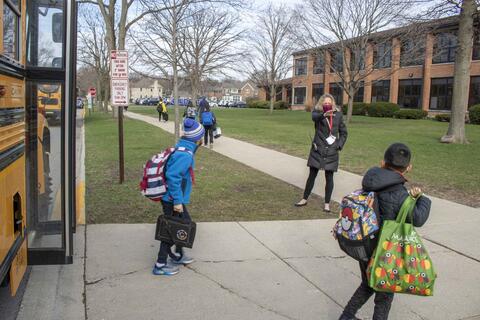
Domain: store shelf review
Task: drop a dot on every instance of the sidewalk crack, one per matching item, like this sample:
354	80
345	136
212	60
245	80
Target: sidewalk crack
292	267
233	292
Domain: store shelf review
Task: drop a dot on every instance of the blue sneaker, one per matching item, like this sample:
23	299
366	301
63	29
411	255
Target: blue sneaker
185	260
164	270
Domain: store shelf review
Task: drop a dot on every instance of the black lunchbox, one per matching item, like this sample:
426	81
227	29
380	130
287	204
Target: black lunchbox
176	229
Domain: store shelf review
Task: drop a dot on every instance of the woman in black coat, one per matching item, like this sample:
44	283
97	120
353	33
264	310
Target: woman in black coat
330	137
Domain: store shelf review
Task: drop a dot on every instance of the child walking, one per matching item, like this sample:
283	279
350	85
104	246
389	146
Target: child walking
388	184
208	120
179	179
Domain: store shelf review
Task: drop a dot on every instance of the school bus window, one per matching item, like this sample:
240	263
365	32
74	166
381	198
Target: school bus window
10	31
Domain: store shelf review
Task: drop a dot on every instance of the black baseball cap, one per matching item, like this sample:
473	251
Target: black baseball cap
398	155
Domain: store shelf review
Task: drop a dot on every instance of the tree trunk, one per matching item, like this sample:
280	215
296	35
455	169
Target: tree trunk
175	74
351	94
456	128
272	97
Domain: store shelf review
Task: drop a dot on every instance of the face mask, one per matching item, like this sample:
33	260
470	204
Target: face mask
327	107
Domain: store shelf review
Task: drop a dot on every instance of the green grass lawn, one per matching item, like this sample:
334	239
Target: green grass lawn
448	171
225	190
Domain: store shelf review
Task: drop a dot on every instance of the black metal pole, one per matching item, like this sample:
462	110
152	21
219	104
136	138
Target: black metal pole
120	145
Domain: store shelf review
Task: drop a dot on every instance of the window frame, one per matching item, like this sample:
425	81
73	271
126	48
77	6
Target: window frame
476	47
385	85
336	58
339	97
304	67
474	81
16	10
318	68
417	61
385	61
316	86
451	50
411	84
449	98
295	96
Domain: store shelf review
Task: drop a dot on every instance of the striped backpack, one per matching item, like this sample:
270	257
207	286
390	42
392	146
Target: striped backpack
153	184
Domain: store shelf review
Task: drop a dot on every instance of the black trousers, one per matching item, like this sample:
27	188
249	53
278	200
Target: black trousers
383	300
208	134
311	182
166	247
165	116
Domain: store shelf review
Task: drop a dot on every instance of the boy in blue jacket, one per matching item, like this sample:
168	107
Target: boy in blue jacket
179	178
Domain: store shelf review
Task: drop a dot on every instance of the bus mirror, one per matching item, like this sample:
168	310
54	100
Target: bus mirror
57	27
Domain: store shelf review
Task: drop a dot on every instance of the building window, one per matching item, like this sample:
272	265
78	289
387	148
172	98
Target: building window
11	29
336	64
301	66
299	95
412	52
382	55
357	62
318	63
476	47
381	91
474	97
358	97
317	91
441	93
336	91
410	93
445	47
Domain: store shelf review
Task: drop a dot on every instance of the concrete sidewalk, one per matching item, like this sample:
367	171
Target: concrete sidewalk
245	270
450	224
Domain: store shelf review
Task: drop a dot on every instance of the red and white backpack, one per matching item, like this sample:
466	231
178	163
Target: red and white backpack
153	184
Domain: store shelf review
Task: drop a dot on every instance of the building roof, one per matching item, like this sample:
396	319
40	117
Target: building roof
430	25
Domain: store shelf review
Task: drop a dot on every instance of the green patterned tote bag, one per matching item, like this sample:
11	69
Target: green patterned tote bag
400	263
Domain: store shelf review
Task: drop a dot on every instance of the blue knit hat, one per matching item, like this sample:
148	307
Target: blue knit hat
193	131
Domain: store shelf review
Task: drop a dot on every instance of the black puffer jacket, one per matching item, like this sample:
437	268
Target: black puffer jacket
391	193
322	155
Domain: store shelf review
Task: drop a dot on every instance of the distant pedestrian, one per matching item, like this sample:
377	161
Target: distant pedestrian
208	120
162	111
190	111
330	137
388	184
202	105
179	176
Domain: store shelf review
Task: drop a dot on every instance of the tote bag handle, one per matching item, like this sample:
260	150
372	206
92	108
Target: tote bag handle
406	209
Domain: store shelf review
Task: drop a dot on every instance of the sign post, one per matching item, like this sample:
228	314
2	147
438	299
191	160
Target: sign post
120	97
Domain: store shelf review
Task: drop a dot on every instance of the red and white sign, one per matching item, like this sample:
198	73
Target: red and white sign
93	92
119	65
120	92
119	69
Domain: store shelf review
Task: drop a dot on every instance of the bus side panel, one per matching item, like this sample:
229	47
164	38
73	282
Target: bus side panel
14	92
18	268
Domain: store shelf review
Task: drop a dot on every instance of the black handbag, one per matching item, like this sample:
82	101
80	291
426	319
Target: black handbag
176	229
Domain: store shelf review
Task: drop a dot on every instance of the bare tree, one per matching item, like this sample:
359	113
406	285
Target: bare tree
93	51
158	46
208	41
346	30
468	10
271	42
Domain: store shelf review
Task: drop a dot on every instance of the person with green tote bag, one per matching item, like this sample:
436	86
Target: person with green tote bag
401	264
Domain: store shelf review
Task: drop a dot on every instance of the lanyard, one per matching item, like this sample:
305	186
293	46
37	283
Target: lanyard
330	123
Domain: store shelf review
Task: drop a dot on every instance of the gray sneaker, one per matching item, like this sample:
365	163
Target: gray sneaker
185	260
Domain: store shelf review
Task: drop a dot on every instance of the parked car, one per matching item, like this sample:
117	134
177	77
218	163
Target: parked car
239	104
153	101
221	103
213	104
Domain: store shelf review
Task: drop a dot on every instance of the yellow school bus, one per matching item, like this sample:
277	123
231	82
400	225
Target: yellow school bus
37	135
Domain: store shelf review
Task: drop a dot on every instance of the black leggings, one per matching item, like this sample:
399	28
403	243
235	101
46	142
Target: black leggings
311	182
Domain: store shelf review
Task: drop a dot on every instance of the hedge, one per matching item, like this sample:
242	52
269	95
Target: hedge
442	117
382	109
410	114
474	114
258	104
359	109
280	105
